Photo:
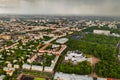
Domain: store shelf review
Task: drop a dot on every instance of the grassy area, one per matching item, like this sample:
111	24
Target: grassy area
39	79
101	39
48	47
88	55
39	74
1	71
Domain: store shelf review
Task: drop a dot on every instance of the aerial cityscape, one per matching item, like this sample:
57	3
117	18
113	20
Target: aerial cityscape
59	45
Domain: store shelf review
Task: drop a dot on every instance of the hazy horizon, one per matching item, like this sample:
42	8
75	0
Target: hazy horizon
61	7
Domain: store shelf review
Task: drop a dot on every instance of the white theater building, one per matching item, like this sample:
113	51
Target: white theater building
75	56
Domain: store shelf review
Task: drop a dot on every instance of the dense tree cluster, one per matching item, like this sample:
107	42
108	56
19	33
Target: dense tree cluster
1	71
81	68
101	39
102	47
108	69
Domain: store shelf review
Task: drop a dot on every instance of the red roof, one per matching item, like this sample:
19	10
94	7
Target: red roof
110	79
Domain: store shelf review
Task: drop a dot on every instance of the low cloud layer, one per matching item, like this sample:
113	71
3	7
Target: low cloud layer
61	7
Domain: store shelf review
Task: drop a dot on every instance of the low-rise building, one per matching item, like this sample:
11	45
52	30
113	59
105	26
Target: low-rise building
2	77
9	65
9	71
115	34
16	66
101	78
55	46
62	40
48	69
105	32
37	68
114	26
26	66
5	36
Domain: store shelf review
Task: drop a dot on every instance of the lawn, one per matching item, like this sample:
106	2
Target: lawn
39	79
1	71
37	73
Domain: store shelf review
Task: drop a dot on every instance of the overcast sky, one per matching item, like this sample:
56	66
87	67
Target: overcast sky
61	7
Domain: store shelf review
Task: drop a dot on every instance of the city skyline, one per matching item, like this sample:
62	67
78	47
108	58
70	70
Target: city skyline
61	7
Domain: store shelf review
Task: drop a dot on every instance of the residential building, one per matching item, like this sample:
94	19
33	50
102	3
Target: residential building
105	32
2	77
37	68
26	66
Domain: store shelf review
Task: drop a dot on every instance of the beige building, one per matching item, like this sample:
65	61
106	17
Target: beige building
105	32
5	36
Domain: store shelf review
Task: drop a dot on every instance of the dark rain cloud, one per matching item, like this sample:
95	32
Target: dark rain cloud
62	7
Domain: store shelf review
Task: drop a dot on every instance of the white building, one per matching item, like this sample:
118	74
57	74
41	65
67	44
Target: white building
55	46
48	69
116	35
26	66
16	66
105	32
9	71
101	78
63	76
37	68
75	56
112	26
2	77
62	40
9	65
